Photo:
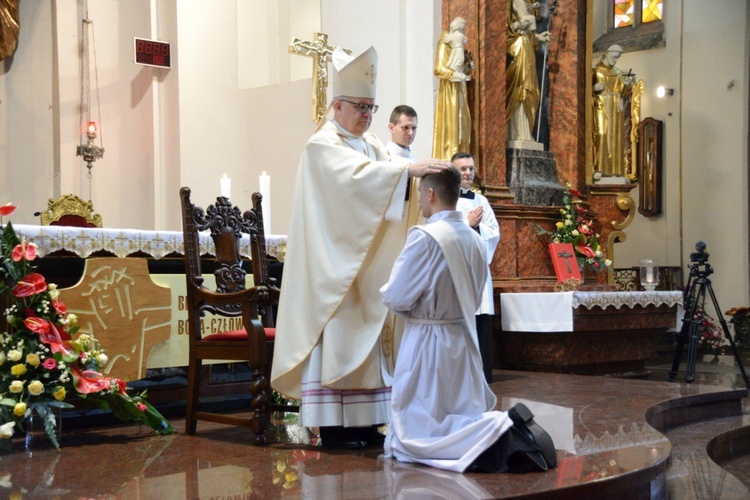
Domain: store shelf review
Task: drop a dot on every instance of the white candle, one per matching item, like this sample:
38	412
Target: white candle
226	186
265	192
650	274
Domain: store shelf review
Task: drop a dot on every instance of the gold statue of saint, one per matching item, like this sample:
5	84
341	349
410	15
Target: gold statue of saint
611	91
522	84
321	53
453	65
9	27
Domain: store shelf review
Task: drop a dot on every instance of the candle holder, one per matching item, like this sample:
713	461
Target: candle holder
649	274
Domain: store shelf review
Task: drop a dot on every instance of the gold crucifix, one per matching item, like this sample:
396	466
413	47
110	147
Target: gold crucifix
371	73
321	53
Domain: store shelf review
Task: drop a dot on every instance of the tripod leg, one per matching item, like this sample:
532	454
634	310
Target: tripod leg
681	337
694	334
694	330
689	313
728	335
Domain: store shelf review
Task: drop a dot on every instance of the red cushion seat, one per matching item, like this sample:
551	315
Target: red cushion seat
239	335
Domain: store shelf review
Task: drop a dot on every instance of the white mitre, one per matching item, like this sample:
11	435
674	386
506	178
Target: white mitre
354	76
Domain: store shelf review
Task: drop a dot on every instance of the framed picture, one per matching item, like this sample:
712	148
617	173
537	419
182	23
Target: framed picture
565	262
649	167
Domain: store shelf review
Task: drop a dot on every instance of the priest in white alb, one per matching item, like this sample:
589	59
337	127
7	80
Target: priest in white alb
334	345
442	408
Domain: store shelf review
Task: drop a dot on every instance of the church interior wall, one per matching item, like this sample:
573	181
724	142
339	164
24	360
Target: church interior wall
705	190
27	116
190	124
242	132
228	130
404	33
121	187
166	118
714	137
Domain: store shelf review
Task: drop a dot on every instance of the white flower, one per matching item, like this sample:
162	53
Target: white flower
71	319
103	360
599	253
575	232
2	357
54	293
607	262
16	386
568	222
36	388
14	355
6	430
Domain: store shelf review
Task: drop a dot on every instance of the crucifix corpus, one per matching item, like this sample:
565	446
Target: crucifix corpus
565	255
321	53
566	265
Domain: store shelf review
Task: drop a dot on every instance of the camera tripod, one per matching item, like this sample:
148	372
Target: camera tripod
694	301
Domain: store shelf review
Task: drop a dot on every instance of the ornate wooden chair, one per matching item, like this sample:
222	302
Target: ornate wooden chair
252	343
70	210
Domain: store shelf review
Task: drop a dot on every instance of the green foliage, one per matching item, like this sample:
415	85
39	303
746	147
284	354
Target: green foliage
43	359
574	228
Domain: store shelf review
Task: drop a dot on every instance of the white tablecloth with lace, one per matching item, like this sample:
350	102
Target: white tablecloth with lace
124	242
553	312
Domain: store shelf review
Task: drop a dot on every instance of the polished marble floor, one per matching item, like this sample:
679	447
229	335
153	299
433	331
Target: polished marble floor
606	449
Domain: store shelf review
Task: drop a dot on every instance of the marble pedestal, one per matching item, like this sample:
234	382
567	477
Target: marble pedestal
532	178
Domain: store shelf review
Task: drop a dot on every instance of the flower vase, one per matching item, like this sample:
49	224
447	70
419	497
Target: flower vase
36	435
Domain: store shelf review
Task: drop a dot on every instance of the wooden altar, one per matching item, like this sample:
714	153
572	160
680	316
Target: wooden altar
603	333
127	288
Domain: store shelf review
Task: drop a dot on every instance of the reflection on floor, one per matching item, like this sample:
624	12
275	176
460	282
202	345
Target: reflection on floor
605	446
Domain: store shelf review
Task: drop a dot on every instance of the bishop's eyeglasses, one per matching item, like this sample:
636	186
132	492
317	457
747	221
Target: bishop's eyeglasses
362	107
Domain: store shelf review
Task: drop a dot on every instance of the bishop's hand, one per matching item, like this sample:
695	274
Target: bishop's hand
427	166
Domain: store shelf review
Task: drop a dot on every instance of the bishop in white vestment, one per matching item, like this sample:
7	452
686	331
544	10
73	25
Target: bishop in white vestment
334	338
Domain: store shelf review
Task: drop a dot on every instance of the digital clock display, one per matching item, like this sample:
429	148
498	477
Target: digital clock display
152	53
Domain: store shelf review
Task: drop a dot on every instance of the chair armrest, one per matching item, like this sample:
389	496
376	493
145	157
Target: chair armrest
273	295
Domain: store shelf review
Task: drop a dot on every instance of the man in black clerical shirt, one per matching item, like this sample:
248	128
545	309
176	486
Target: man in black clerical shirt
479	215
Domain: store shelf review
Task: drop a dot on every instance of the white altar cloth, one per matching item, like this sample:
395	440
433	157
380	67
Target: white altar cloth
123	242
553	312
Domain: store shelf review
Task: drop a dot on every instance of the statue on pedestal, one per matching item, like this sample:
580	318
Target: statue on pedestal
611	89
453	65
522	84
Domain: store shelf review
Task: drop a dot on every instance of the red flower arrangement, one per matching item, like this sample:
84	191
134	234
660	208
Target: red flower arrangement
712	335
43	360
576	229
740	321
